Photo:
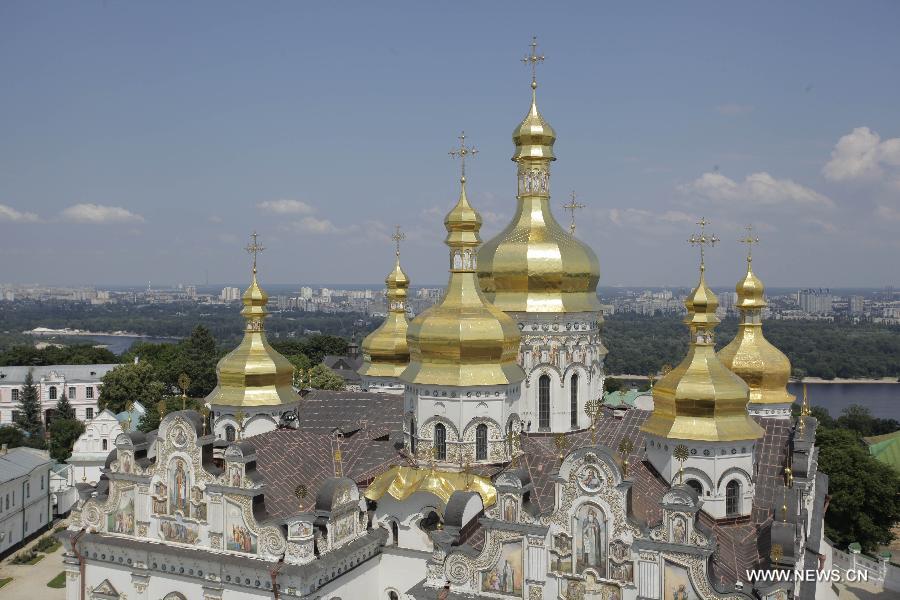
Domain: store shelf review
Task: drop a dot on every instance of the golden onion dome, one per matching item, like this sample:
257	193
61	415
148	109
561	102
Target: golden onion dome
385	351
701	399
463	340
254	373
764	368
534	265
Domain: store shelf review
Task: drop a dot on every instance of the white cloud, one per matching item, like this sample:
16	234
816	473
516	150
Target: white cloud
888	213
861	155
8	213
733	108
758	189
285	207
98	213
316	226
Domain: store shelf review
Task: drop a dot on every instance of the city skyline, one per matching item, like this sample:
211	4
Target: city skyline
165	156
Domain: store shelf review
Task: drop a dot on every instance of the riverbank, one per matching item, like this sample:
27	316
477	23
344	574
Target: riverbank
817	380
46	331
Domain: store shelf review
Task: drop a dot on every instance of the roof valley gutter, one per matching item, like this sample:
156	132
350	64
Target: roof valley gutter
273	573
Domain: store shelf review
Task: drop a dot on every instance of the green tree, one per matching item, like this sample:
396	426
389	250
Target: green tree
130	383
11	436
63	434
323	378
29	420
197	358
64	408
611	384
152	418
865	505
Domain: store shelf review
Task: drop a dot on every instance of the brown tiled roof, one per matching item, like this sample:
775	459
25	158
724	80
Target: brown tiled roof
373	415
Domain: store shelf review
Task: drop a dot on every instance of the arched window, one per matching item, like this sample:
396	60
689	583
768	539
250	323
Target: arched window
440	441
733	498
695	485
392	595
229	433
574	399
412	435
481	442
53	392
395	532
544	402
105	444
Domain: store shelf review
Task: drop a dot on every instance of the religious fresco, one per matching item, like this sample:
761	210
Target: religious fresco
561	554
126	462
778	595
179	486
198	506
234	476
121	520
238	536
589	478
179	531
677	584
299	530
343	528
160	501
622	572
506	576
590	538
591	589
679	530
509	510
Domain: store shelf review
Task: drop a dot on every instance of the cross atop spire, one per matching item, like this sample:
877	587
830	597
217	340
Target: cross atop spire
749	240
703	240
254	248
533	59
461	153
572	206
398	236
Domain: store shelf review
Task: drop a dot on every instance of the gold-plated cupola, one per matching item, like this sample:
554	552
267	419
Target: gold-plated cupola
385	350
253	374
534	265
463	340
764	368
701	399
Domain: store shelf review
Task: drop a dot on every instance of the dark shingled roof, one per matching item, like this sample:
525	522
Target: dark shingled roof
344	366
323	412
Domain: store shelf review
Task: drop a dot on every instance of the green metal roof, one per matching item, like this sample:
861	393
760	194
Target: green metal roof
886	448
622	397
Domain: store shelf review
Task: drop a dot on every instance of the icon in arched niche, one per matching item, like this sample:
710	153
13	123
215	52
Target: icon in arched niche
121	520
509	510
179	484
238	537
679	530
590	539
677	584
561	553
506	576
589	478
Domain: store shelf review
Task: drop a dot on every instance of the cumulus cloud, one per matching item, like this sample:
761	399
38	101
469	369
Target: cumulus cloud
98	213
733	108
862	155
285	207
888	213
317	226
758	189
8	213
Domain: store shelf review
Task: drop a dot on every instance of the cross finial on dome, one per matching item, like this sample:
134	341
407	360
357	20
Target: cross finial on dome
749	240
461	153
398	236
703	240
533	59
254	248
572	206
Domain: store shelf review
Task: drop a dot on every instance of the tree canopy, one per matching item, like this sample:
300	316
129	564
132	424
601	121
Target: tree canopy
130	383
323	378
63	435
29	417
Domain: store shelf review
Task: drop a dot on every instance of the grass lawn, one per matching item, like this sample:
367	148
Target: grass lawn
35	560
4	581
58	582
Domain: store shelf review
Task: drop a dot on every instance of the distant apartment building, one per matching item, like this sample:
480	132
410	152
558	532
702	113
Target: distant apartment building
80	383
816	301
306	292
25	508
856	305
230	294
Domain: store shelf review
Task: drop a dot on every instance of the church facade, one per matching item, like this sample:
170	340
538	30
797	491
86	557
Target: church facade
481	462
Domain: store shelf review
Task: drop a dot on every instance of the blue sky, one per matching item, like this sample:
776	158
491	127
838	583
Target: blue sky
144	141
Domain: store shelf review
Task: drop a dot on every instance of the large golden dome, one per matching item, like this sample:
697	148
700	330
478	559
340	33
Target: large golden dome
385	351
764	368
534	265
254	373
701	399
463	340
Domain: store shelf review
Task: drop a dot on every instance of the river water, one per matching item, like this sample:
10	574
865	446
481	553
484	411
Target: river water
116	344
882	399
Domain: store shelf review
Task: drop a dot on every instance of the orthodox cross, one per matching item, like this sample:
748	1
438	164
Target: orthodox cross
625	448
239	416
398	236
254	248
749	240
300	492
533	59
804	409
788	477
462	152
777	553
681	455
338	456
205	412
572	206
593	410
561	444
184	382
130	410
703	240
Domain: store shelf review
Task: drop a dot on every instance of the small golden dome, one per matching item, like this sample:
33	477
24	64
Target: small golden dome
254	373
463	340
385	351
534	265
764	368
701	399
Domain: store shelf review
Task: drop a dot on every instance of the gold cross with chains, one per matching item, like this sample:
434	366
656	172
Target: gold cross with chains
749	240
462	152
533	59
703	240
572	206
254	248
398	236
